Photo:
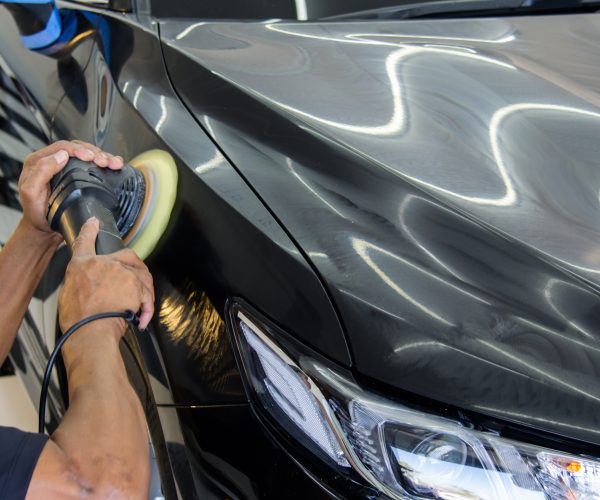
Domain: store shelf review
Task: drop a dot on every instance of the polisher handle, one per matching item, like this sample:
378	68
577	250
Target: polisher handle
78	193
78	212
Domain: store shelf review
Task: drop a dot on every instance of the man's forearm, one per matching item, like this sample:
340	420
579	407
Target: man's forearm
23	261
104	430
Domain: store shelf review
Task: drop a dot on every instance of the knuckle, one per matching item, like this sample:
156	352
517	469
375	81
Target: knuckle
27	190
131	279
28	159
128	252
77	242
95	264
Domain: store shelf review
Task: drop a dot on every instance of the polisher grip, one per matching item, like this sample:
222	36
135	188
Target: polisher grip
80	192
78	212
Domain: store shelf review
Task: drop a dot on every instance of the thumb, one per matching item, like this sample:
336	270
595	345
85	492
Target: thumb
85	244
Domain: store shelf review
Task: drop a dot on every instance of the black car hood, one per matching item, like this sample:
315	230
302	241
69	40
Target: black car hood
443	177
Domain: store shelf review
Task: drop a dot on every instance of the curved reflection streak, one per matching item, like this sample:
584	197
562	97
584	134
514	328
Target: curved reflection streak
211	164
372	305
538	419
163	113
362	247
504	39
414	239
539	371
188	30
136	96
510	195
502	113
434	343
364	244
537	326
397	122
552	282
498	117
295	174
352	37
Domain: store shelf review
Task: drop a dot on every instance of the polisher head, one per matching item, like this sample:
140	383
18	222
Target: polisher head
160	189
133	204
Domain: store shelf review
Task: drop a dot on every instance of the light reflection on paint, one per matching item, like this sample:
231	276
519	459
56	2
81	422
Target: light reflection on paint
190	318
531	367
397	122
295	174
362	248
163	115
543	328
136	96
188	30
362	36
405	227
301	10
211	164
550	285
537	419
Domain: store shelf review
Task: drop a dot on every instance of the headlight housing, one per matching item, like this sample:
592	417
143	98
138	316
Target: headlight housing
402	452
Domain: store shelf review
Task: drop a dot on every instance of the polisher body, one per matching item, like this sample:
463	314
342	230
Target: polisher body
133	204
83	190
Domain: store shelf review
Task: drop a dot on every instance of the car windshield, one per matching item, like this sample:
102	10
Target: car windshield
303	10
334	10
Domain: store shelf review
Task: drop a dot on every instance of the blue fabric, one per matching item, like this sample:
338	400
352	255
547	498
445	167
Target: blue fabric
26	1
19	453
45	37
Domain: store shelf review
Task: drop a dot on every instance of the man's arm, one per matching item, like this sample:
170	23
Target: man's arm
25	256
101	446
22	263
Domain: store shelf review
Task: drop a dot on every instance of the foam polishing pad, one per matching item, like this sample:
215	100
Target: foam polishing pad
160	176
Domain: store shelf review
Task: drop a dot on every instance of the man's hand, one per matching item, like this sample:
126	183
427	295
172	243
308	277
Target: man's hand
42	165
100	448
104	283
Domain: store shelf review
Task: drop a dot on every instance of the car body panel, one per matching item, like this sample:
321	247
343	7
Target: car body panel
218	223
442	178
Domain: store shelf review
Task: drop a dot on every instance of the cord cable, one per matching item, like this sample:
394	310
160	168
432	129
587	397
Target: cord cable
128	316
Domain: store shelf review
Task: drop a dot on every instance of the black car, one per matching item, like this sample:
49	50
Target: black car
381	277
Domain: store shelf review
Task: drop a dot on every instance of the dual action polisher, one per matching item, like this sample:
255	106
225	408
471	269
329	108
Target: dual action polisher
133	204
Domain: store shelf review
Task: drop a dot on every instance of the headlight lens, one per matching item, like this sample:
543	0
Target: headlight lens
402	452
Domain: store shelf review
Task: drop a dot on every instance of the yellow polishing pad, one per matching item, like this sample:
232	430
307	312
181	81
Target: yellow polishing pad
160	175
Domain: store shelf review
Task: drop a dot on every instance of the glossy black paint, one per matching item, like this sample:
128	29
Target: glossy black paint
441	176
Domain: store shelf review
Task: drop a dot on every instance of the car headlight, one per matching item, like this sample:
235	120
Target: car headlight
402	452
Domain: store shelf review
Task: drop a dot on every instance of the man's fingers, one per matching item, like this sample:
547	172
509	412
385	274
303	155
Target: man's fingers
85	244
102	158
140	273
35	185
79	149
147	298
71	147
51	165
83	154
115	162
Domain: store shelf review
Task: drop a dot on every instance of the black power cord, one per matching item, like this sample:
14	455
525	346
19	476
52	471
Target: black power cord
128	316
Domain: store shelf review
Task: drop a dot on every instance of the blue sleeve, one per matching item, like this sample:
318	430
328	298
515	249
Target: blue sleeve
19	453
